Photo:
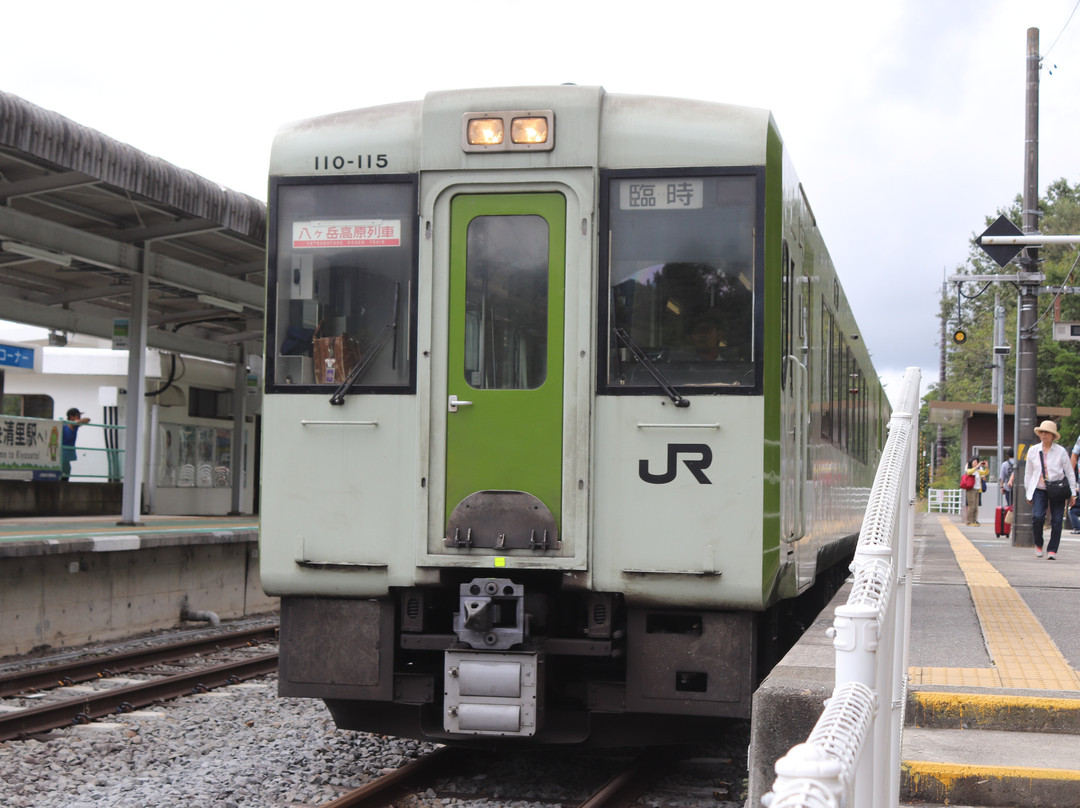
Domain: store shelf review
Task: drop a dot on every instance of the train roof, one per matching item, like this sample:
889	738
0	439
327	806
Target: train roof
634	131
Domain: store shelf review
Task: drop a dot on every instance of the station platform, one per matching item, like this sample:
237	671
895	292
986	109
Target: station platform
993	713
71	580
993	708
30	536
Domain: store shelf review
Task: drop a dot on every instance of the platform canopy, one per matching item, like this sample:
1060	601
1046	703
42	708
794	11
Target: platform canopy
81	215
956	412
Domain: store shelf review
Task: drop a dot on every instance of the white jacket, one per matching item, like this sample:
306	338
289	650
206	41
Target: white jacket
1057	466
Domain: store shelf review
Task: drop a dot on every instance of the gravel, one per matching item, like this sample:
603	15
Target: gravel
238	746
242	746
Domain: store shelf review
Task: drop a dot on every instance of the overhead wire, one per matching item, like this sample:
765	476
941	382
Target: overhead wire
1066	25
1064	285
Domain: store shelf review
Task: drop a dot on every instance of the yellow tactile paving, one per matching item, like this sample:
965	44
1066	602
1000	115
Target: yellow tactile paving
1023	654
954	677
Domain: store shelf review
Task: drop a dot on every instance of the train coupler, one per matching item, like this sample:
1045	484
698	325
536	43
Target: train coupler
491	614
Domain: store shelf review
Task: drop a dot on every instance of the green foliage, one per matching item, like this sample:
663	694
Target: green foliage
971	305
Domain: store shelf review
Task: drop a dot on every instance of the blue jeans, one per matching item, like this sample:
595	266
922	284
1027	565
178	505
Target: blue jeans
1039	502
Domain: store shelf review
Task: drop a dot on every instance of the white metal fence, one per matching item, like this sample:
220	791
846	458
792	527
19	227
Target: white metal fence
944	500
852	757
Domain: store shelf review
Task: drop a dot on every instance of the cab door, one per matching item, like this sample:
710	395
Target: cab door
505	370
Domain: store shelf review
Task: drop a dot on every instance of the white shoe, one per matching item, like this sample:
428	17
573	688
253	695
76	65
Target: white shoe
1038	552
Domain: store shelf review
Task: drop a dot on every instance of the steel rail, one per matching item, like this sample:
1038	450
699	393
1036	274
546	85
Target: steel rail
103	667
383	791
622	790
84	709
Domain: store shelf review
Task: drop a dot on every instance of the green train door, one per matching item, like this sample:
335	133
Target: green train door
505	370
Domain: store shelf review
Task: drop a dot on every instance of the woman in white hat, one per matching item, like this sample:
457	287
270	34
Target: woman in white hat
1046	465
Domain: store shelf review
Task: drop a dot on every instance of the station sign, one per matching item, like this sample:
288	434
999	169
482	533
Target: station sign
30	448
19	357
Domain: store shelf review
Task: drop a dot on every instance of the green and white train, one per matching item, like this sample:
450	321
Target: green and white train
565	414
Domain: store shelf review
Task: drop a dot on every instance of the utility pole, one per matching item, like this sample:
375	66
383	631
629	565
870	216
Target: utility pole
998	388
940	446
1027	349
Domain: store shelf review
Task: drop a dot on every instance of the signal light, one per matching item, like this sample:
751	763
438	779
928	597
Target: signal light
959	336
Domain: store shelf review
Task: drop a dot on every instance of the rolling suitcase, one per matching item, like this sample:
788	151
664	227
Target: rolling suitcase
1002	521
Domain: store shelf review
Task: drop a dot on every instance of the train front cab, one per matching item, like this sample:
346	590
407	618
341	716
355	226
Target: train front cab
587	549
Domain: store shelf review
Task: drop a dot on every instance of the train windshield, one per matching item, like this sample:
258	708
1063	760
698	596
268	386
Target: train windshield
681	271
344	279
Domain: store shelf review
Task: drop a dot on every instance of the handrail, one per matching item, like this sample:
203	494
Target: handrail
852	756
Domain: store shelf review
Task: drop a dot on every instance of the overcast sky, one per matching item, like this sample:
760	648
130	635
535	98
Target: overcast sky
905	119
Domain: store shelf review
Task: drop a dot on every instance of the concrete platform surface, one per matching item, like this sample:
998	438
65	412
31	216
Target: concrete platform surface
994	689
68	581
34	536
993	708
1039	750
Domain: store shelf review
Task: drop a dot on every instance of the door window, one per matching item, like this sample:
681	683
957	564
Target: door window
506	303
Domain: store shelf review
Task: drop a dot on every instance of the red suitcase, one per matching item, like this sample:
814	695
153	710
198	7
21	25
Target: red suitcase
1001	527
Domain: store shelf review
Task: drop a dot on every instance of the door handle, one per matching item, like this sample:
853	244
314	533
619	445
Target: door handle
454	402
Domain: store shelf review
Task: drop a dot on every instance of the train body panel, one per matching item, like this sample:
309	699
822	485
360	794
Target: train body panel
676	491
344	487
566	417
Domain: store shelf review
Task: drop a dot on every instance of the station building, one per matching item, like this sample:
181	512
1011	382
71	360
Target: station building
125	279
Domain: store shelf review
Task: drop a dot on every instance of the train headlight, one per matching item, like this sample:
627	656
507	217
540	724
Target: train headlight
529	130
512	130
485	131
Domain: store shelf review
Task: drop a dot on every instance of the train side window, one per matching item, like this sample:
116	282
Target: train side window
680	259
343	258
786	292
828	370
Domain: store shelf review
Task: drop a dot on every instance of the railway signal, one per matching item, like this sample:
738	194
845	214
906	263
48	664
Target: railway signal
1005	249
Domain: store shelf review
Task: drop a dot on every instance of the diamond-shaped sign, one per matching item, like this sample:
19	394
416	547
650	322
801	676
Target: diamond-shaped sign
1001	253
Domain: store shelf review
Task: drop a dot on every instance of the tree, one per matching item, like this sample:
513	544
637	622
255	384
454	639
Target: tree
970	305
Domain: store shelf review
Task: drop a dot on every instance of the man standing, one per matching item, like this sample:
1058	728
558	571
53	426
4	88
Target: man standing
1005	478
75	419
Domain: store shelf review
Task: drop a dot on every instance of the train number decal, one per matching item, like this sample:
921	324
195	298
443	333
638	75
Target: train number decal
325	162
697	465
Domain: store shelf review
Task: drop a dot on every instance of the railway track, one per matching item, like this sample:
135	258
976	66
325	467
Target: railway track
88	706
108	665
634	777
491	777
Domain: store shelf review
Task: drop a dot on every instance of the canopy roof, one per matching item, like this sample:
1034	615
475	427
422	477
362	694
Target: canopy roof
81	213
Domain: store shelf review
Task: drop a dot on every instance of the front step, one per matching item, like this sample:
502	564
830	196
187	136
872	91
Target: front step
990	750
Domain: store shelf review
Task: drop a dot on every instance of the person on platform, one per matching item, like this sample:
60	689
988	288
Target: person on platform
1047	463
980	478
1074	509
973	494
75	419
1005	477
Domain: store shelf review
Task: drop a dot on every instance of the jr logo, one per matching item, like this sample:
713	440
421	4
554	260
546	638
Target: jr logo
697	466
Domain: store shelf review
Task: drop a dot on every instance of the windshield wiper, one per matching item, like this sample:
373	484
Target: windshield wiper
639	354
354	375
